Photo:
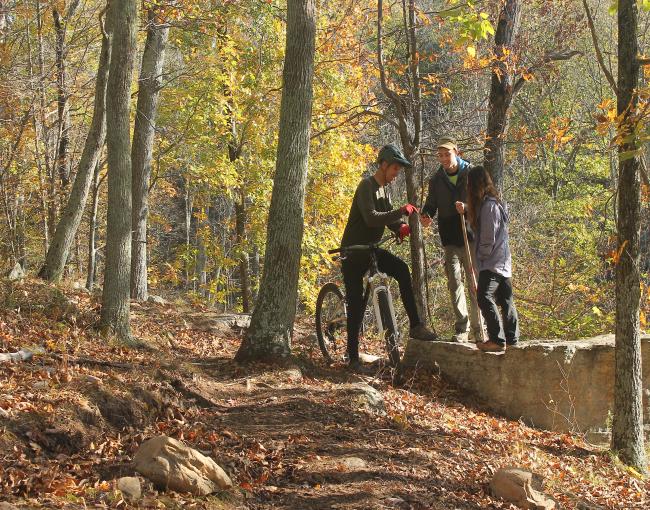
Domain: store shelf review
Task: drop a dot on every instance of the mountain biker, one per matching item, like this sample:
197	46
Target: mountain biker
372	211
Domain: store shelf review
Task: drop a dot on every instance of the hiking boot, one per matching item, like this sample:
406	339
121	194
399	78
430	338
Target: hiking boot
421	332
460	337
491	346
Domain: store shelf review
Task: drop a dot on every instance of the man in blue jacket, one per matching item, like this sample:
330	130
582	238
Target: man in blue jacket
446	187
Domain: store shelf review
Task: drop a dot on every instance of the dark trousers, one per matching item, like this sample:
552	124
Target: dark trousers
354	268
495	292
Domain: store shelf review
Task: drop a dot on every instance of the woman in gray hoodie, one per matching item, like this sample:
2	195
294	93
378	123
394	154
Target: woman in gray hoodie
489	218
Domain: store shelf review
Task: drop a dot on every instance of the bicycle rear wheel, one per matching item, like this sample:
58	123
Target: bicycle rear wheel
331	323
391	334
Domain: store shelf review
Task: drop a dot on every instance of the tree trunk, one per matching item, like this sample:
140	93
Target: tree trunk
416	241
244	266
58	252
255	272
122	16
409	125
42	134
627	427
62	163
92	232
202	255
269	335
143	135
501	91
188	231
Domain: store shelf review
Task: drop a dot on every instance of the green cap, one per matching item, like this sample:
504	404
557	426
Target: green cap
391	154
447	142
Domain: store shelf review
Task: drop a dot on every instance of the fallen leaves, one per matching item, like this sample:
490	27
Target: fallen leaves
280	440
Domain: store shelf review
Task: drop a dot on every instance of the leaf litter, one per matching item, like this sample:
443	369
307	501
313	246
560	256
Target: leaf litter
72	417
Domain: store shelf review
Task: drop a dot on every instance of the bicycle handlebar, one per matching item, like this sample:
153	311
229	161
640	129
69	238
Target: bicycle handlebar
363	247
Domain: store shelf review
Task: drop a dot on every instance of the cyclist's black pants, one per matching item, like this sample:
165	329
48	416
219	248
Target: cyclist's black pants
354	267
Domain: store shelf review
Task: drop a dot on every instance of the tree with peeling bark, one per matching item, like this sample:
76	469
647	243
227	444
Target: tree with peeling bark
627	425
269	335
501	90
507	80
153	59
59	250
122	17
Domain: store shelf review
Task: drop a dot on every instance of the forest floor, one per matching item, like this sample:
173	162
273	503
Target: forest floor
73	416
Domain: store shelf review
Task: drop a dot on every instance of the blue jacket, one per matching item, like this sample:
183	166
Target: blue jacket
492	248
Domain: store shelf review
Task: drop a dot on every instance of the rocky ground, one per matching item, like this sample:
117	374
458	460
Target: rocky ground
300	436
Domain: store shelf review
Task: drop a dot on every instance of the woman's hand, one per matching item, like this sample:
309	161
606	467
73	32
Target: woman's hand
460	207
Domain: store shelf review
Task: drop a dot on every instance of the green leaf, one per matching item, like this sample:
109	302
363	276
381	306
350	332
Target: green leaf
625	155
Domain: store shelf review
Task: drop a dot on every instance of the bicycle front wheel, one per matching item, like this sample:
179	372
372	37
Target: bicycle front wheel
331	323
391	335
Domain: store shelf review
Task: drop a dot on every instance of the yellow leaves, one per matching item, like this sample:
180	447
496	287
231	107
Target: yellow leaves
446	94
471	51
634	473
558	132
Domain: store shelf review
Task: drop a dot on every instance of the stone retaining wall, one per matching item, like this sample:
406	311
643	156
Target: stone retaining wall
556	385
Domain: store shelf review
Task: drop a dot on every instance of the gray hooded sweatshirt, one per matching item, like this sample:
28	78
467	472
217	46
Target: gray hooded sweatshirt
492	248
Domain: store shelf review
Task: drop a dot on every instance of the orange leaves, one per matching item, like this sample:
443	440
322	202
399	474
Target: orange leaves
558	132
607	117
615	255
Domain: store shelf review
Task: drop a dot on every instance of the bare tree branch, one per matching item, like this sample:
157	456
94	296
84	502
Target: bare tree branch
548	58
353	117
599	55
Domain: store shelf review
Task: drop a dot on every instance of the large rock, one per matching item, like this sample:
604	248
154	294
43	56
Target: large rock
365	396
515	486
556	385
220	323
16	273
156	299
169	464
130	487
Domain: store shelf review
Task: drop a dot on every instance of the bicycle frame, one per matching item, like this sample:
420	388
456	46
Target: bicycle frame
376	286
377	283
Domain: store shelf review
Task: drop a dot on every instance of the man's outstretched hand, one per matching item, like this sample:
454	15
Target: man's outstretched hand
404	231
408	209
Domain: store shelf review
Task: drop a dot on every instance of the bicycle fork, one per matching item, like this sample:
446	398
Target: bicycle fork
376	290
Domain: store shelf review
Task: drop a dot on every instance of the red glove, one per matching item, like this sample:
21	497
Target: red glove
408	209
404	231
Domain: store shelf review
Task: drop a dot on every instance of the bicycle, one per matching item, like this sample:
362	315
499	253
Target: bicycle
331	313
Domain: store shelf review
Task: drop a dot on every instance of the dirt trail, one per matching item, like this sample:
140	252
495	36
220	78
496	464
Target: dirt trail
302	436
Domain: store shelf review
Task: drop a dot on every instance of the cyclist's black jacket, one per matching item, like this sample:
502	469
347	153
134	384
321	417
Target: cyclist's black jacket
370	213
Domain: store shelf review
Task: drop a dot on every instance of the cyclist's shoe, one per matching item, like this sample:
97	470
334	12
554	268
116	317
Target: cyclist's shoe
491	346
421	332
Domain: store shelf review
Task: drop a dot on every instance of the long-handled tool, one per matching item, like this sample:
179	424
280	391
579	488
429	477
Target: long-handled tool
472	275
